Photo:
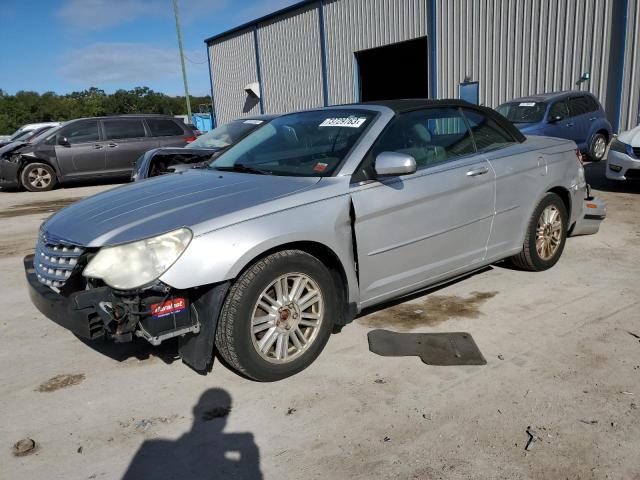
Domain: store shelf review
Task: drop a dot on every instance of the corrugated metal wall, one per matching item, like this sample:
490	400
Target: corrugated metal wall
233	66
291	62
630	105
353	25
520	47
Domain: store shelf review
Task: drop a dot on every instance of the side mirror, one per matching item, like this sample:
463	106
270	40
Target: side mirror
62	141
555	118
394	163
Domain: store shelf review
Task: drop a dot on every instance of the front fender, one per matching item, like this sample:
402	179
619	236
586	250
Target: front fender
222	254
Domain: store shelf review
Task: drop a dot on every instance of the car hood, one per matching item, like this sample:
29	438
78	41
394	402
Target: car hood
531	128
202	200
631	137
10	147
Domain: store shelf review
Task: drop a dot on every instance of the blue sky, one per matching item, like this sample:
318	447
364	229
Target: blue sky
70	45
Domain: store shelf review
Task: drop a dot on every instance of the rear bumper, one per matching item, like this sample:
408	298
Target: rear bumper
593	212
77	312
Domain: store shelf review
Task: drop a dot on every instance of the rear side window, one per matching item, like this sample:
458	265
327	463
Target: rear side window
80	132
164	127
121	129
559	109
579	105
592	103
487	134
430	136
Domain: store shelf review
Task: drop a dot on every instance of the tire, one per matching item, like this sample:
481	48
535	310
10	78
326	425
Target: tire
530	258
597	148
248	337
38	177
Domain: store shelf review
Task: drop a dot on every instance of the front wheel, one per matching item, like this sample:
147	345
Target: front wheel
545	237
38	177
597	148
277	316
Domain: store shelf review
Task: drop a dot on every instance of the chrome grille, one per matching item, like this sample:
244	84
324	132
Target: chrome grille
54	262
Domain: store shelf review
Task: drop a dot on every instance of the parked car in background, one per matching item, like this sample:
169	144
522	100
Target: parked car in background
27	131
305	222
623	161
89	148
198	153
576	116
28	136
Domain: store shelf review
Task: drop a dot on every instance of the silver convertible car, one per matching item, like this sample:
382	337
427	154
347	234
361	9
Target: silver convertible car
302	224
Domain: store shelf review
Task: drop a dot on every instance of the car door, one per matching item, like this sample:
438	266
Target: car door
579	112
560	124
413	229
127	139
517	180
80	150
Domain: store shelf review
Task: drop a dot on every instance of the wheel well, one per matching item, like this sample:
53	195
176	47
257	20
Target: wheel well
322	253
564	194
30	160
605	133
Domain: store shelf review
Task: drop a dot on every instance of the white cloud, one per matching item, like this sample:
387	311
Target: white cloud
103	14
125	64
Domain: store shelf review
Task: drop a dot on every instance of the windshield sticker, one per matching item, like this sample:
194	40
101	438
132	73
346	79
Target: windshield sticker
159	310
253	122
527	104
352	122
320	167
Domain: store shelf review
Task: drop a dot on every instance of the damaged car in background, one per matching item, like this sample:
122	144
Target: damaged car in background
198	153
305	222
89	149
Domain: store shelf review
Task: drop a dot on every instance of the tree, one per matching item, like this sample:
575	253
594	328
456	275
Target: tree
32	107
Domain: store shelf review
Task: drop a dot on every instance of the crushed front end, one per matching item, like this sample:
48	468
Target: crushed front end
93	310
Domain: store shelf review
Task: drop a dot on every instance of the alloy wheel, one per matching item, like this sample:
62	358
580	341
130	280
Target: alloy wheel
39	178
287	317
548	232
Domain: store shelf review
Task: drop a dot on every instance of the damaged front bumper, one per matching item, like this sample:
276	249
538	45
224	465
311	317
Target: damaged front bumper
9	170
155	314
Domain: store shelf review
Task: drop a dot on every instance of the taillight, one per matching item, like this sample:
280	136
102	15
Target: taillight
579	156
189	139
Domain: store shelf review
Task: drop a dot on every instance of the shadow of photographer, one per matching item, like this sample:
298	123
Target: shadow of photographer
205	452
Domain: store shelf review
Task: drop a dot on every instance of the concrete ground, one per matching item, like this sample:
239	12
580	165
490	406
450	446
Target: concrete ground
563	353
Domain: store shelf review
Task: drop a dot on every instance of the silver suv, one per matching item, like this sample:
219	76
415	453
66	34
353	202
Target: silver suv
89	148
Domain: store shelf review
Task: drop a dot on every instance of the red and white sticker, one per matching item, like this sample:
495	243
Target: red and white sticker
320	167
159	310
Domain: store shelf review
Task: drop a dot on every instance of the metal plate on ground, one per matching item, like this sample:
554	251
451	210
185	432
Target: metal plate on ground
451	348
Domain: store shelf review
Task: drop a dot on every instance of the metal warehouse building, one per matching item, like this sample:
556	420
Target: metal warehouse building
328	52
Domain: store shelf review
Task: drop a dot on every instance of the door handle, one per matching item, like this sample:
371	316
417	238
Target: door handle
592	119
98	147
569	124
474	172
112	145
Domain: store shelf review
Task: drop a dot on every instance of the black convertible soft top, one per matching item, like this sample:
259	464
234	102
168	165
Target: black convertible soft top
410	104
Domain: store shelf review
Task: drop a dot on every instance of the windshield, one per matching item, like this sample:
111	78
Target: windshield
226	135
309	144
523	112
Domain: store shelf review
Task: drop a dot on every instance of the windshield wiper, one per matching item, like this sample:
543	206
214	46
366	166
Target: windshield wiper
239	167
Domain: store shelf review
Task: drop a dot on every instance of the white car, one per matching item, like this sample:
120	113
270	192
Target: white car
623	162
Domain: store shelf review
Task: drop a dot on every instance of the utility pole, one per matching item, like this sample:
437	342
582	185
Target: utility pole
184	70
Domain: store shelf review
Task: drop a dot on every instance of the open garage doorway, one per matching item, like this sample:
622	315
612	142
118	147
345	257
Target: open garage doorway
394	71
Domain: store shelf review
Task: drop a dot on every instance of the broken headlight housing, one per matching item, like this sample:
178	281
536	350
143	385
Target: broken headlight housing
136	264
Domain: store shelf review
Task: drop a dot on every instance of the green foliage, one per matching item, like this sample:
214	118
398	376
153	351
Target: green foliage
31	107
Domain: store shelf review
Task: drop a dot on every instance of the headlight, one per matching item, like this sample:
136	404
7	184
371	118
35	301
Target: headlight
132	265
618	146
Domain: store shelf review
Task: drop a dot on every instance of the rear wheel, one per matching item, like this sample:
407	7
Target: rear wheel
277	316
38	177
545	237
597	148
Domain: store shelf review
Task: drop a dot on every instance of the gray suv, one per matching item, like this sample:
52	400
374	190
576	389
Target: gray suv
89	148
